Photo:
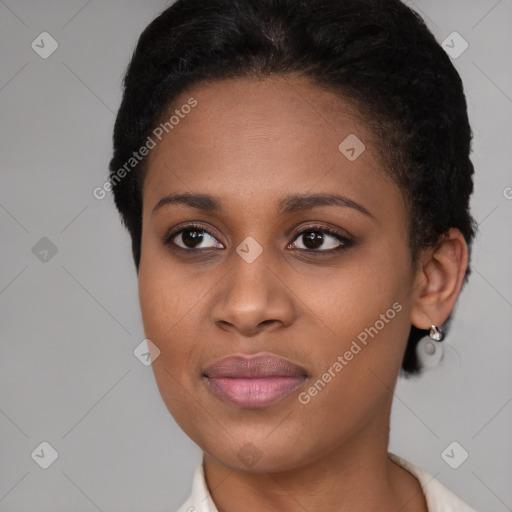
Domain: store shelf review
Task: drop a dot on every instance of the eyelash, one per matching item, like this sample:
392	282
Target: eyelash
345	241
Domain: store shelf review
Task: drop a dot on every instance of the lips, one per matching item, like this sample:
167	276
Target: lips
254	381
260	365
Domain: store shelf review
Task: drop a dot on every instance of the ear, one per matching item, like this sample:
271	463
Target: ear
439	279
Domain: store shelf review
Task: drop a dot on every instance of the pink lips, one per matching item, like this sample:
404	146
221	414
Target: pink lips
254	381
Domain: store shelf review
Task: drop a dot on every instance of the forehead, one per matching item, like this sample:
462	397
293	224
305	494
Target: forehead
262	139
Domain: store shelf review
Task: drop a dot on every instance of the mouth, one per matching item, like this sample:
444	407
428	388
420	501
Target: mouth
254	392
254	381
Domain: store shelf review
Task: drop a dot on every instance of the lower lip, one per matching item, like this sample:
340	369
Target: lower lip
254	392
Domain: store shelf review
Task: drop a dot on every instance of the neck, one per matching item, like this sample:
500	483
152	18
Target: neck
357	475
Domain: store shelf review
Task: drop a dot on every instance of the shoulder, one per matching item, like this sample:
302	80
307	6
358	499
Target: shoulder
437	496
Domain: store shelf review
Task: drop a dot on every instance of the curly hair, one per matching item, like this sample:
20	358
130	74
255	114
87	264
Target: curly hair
378	54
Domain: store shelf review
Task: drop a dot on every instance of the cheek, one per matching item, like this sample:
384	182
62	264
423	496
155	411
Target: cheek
168	319
355	296
167	314
162	295
363	311
356	366
166	307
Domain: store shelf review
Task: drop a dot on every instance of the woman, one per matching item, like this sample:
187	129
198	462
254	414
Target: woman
295	178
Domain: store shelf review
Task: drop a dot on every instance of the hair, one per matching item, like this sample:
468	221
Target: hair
377	54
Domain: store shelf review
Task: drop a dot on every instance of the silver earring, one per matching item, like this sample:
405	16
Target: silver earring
436	333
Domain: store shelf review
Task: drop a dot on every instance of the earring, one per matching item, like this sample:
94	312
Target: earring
429	352
436	333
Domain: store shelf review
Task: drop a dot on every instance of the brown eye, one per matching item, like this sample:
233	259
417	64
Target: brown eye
320	240
313	239
191	238
194	237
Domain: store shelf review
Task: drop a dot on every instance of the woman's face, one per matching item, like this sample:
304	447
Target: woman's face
258	273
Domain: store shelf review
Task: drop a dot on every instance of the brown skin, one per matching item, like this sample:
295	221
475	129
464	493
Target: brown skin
250	143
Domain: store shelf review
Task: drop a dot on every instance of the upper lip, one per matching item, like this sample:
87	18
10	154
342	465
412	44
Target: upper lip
253	366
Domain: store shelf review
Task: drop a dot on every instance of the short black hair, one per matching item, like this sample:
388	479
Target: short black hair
378	54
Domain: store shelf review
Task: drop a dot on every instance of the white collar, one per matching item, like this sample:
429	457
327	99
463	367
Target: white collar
438	497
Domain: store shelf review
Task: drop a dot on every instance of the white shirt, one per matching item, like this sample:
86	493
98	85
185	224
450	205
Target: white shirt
438	497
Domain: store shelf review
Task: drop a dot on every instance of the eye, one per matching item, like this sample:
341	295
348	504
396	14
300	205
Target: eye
193	237
319	239
314	240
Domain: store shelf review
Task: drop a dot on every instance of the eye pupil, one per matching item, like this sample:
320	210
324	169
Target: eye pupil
191	237
313	239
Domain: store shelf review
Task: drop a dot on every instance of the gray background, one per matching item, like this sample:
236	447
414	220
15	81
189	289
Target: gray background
69	325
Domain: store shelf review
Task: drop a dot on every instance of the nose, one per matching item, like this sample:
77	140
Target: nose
253	297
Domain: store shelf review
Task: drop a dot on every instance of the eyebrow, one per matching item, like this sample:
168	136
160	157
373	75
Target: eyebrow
290	204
